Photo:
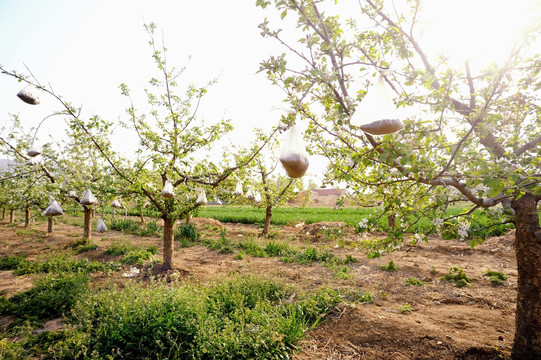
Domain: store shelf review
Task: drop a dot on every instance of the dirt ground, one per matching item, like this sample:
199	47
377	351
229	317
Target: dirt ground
442	321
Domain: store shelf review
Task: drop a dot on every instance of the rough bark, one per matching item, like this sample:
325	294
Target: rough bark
26	216
527	342
391	220
141	216
11	215
268	216
167	244
3	213
50	225
87	229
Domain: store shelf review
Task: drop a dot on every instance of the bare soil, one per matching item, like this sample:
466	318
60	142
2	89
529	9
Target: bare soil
441	321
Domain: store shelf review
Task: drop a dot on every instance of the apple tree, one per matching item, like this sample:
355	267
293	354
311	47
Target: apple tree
477	140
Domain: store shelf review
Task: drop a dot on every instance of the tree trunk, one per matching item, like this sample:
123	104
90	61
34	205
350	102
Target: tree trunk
3	213
268	216
141	216
391	220
87	227
527	343
26	216
50	224
168	237
11	215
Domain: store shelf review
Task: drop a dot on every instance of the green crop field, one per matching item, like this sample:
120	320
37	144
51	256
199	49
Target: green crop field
285	215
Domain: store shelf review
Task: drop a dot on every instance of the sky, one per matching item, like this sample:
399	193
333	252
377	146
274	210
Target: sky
85	49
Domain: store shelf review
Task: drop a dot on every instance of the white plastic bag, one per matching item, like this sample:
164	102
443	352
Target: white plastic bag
116	204
257	197
238	189
53	209
101	226
33	161
33	151
250	194
202	198
72	194
377	113
168	191
88	198
296	190
293	155
219	202
28	96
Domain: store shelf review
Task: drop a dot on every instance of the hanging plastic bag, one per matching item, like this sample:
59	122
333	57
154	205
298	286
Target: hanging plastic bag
28	96
296	190
88	198
293	155
250	194
33	161
377	113
257	197
168	191
72	194
116	204
53	209
101	226
202	198
238	189
219	202
33	151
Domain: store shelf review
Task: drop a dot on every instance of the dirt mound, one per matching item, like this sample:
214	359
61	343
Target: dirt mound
504	243
326	229
206	222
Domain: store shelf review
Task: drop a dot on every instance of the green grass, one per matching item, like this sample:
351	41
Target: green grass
242	318
58	264
413	281
284	215
391	266
496	277
457	276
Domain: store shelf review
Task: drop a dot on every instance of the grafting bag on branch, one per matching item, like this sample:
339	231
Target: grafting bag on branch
33	151
293	156
101	226
28	96
377	113
116	204
88	198
202	198
250	195
238	189
33	161
53	209
72	194
257	197
168	191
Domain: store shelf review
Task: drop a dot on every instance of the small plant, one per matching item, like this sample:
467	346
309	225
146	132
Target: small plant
139	255
364	297
344	273
51	296
405	309
391	266
13	262
349	259
413	281
121	247
496	277
152	229
457	276
187	233
240	255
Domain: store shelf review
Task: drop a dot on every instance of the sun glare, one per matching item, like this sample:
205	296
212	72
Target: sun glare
482	31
